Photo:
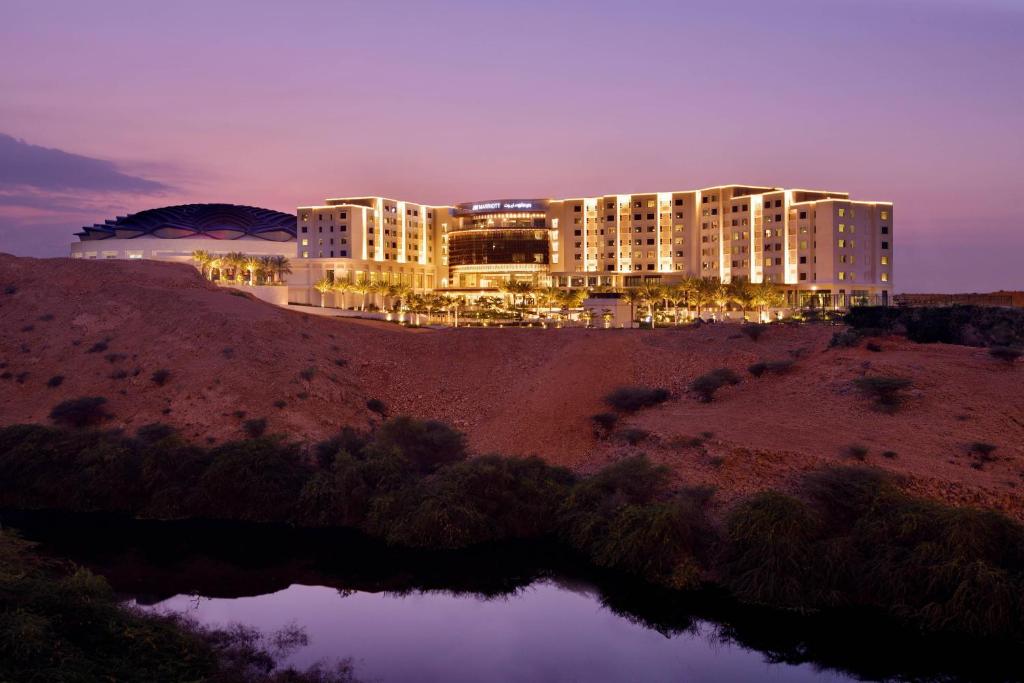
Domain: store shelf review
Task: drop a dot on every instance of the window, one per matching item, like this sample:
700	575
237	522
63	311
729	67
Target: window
803	215
885	245
803	276
885	277
679	202
885	260
885	215
842	212
885	230
842	243
577	208
841	228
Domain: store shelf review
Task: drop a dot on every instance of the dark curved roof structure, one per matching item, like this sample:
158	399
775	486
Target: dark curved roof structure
213	221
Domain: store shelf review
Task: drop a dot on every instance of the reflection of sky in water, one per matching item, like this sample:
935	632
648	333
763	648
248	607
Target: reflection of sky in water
544	633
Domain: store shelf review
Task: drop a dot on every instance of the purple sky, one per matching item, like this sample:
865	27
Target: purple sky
112	107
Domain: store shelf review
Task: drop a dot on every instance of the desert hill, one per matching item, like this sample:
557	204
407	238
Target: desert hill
107	327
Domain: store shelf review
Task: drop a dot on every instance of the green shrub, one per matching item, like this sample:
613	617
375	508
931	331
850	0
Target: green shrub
605	422
155	431
630	399
633	436
753	330
255	427
87	411
887	392
308	373
489	498
706	385
1007	354
375	405
856	451
587	512
426	444
160	377
845	339
658	542
257	480
770	553
55	381
98	347
778	367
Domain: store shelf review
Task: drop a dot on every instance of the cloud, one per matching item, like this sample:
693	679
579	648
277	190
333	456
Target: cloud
26	165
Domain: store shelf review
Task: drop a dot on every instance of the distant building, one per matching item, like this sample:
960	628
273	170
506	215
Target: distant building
172	233
1000	298
823	248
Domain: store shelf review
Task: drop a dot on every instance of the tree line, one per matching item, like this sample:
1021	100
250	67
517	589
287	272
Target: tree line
239	267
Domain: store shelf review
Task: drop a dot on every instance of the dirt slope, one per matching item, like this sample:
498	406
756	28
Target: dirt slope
511	391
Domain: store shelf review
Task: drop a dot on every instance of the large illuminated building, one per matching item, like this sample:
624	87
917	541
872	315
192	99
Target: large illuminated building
816	245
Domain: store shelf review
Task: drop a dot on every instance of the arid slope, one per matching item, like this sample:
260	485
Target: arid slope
106	327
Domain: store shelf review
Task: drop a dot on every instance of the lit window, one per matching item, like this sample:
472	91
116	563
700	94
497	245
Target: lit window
885	277
885	260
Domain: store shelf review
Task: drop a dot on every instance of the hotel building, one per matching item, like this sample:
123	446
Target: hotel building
816	245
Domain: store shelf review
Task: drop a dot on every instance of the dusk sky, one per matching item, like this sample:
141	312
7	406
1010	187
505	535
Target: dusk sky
110	107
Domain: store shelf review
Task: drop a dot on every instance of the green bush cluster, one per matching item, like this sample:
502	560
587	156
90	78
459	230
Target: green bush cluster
846	537
886	392
631	399
852	538
779	367
968	325
707	384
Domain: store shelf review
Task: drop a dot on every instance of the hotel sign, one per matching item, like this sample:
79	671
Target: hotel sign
501	205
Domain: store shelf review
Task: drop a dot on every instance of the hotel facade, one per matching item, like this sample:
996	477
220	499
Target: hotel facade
820	247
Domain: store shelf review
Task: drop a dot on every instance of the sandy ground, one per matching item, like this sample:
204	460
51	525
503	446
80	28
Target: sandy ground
513	391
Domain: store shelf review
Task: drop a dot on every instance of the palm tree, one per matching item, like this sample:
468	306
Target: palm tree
401	292
203	260
573	298
649	293
265	269
234	260
675	294
323	285
768	295
362	286
280	266
252	264
340	287
516	288
705	292
742	292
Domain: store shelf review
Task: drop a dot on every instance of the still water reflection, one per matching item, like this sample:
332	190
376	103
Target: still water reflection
544	632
